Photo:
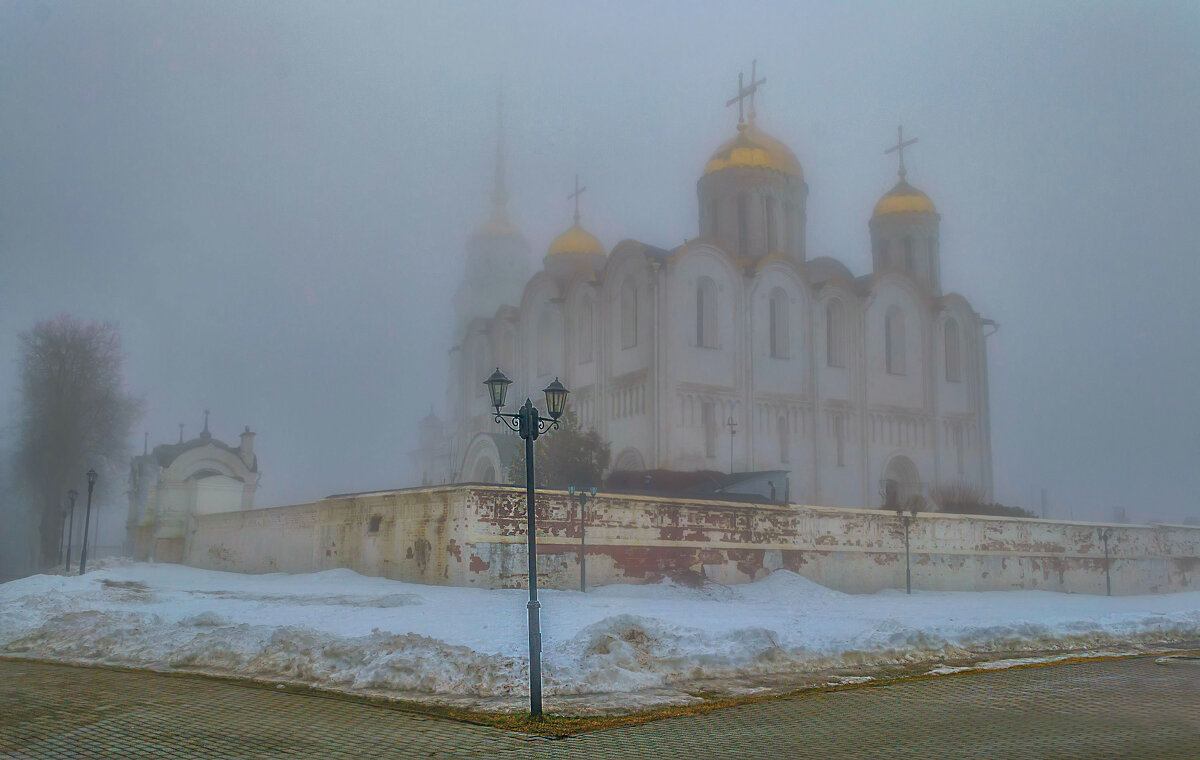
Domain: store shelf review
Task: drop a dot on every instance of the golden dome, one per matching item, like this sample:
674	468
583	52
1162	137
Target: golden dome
576	240
754	148
901	198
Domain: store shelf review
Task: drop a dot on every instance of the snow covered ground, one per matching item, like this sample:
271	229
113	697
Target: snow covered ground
651	644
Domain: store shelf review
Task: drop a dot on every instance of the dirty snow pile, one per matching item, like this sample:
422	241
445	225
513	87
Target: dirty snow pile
341	630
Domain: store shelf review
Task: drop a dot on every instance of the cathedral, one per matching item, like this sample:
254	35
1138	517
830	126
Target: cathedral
734	351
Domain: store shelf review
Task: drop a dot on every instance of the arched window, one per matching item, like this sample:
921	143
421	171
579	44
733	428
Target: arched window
909	262
835	334
584	338
784	440
881	249
714	220
893	327
953	362
628	313
743	230
778	319
789	229
706	313
545	348
772	238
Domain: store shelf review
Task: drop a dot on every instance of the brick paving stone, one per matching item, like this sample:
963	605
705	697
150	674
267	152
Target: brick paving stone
1128	708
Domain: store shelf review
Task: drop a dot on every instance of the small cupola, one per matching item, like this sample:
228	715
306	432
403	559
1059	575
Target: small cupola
904	228
576	248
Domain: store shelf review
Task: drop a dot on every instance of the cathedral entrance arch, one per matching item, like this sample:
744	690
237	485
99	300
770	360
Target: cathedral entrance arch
629	460
901	485
482	462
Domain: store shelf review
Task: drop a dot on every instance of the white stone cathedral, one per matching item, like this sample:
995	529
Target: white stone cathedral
867	389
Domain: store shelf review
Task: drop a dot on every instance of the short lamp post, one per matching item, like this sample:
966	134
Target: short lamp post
91	481
71	496
1105	535
529	424
582	497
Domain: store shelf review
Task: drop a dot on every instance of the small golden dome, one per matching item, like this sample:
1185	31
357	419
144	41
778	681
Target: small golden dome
754	148
576	240
903	198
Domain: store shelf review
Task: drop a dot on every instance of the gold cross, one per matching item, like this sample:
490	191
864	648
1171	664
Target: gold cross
575	196
899	148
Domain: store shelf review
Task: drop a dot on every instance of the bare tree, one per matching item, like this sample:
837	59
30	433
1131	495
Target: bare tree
75	414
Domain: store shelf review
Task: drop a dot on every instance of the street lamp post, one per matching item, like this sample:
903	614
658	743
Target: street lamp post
582	497
1104	536
91	481
72	495
529	424
889	491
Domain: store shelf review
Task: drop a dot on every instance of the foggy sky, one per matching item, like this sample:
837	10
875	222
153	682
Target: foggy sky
271	199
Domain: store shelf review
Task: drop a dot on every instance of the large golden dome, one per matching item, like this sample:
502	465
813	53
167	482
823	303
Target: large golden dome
576	240
754	148
903	198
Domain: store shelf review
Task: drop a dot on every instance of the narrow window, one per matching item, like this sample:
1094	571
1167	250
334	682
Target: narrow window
544	348
708	412
585	331
953	365
714	225
909	263
771	237
778	318
789	229
840	438
743	232
784	440
628	314
706	313
958	447
834	334
894	341
882	250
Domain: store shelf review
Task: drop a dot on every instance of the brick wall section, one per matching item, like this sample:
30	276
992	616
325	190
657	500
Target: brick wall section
475	536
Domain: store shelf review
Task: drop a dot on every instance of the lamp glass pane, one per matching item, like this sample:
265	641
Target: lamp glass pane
497	386
556	399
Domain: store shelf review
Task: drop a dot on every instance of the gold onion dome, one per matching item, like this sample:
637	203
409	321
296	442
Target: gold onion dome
576	240
754	148
903	198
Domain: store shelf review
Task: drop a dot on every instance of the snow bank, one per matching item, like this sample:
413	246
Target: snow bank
337	629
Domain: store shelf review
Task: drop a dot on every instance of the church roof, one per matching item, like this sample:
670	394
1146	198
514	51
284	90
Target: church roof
754	148
577	240
903	198
166	453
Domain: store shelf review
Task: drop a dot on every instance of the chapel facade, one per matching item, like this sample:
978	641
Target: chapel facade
176	482
867	390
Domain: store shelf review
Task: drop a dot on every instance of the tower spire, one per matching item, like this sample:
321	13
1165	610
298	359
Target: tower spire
499	189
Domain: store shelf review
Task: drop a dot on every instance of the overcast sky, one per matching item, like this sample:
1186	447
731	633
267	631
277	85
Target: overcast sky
271	199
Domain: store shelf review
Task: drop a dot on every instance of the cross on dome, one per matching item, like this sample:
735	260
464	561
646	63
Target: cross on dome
899	148
575	197
745	91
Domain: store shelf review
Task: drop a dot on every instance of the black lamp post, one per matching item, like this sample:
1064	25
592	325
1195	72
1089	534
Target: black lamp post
582	497
91	480
72	495
1104	536
889	492
529	424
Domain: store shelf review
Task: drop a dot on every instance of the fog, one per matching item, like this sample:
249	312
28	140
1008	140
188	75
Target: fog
271	200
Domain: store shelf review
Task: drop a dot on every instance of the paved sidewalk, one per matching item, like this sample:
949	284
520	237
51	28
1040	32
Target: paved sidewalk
1130	708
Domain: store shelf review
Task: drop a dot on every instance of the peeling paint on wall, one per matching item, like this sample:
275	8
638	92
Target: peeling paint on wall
475	536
